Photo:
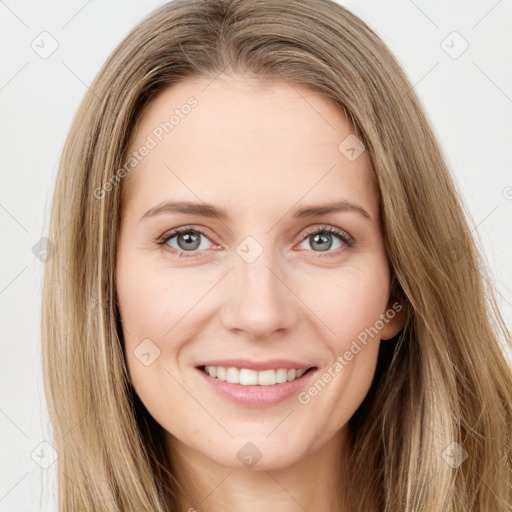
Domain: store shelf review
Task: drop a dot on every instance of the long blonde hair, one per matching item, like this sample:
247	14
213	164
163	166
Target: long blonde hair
446	379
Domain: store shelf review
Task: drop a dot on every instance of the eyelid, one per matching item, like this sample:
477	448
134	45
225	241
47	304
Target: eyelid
162	240
177	231
342	235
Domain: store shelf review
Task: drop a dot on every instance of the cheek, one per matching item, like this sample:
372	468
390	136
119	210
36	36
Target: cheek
348	303
152	301
143	319
341	305
338	306
158	309
351	305
149	310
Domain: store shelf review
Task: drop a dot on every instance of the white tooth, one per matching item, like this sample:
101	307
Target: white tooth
267	378
291	374
248	377
281	375
232	375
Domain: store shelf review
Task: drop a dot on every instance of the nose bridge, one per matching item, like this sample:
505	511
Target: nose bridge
255	267
258	300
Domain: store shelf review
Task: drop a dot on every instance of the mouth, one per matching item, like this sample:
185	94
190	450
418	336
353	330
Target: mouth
250	377
256	388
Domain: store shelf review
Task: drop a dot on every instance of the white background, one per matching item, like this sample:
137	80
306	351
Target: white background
469	99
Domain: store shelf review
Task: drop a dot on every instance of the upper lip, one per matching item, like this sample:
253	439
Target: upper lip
269	364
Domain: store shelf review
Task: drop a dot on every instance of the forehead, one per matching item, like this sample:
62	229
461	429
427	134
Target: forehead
238	141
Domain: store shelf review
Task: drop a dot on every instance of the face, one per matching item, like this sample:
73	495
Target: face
255	280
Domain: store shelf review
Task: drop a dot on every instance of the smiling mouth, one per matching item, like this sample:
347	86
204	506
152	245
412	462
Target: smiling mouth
248	377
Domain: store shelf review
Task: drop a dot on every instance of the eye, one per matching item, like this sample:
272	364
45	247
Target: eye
188	240
322	239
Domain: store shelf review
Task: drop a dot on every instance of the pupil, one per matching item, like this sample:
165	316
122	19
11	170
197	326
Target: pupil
319	240
325	239
190	238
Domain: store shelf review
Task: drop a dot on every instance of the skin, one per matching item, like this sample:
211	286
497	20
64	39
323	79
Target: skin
260	151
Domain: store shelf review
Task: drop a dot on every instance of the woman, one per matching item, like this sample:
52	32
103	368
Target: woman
199	353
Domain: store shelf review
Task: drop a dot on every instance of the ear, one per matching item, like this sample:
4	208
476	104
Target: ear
395	318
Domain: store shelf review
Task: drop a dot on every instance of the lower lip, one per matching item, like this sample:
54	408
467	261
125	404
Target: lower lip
258	396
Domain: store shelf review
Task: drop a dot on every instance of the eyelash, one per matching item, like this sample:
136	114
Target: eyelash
343	236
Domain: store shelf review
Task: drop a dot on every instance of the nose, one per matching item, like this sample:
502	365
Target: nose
257	299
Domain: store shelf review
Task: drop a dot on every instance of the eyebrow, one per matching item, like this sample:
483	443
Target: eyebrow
209	210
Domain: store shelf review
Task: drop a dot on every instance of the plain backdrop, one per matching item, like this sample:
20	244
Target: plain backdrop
457	55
